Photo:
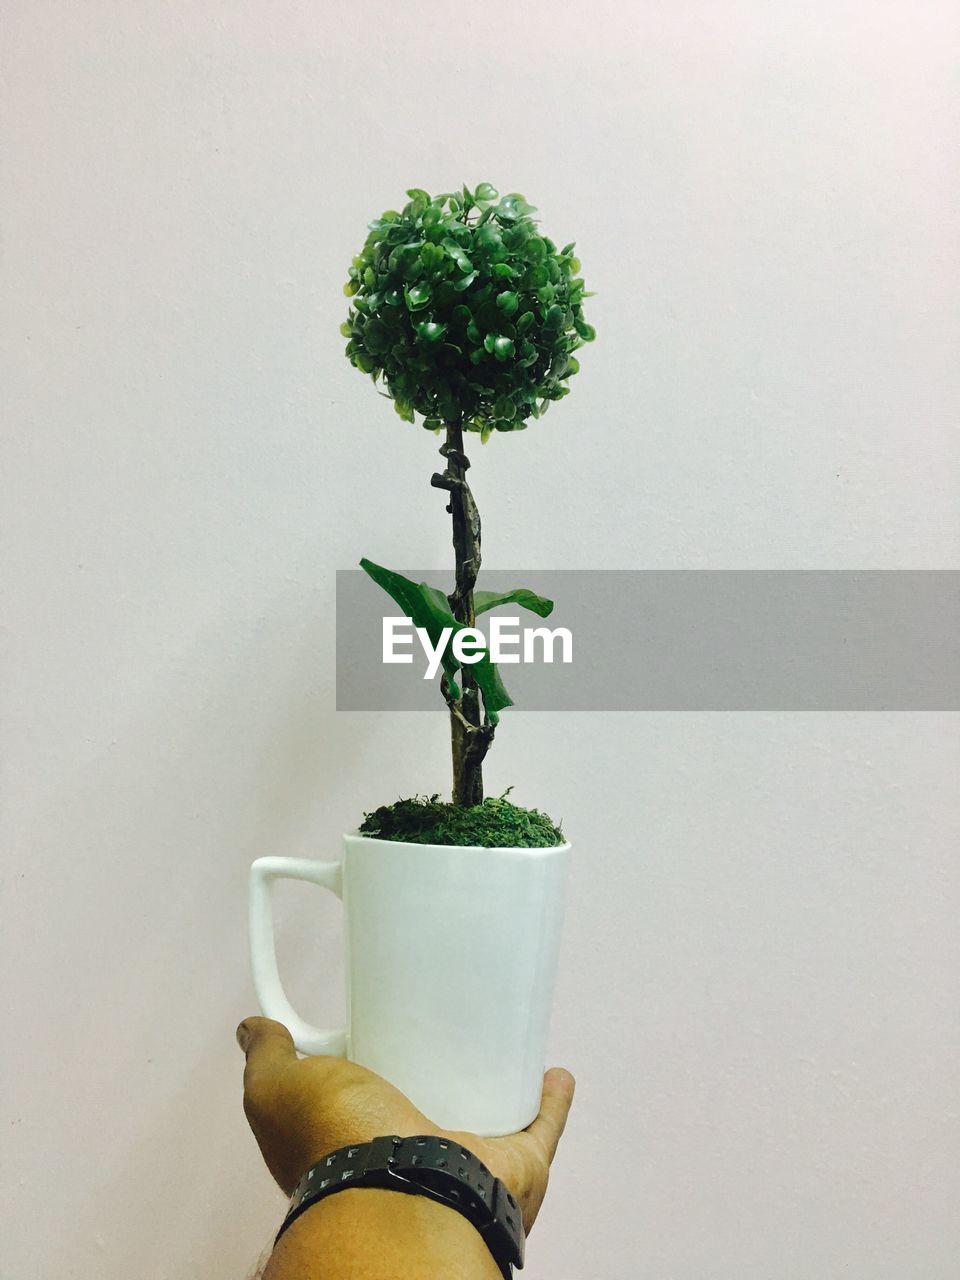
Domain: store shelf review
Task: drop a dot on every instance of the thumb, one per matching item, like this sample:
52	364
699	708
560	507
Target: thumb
268	1046
555	1103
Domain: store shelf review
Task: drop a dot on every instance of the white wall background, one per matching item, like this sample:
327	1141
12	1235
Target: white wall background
760	982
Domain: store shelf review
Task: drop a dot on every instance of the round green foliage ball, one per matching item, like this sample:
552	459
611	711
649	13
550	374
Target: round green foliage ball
466	311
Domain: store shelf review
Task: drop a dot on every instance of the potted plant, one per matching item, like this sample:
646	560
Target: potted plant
468	315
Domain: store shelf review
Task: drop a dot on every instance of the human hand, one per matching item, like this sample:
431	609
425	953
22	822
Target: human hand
302	1109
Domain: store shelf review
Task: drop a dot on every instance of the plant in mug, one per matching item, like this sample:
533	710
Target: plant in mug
464	313
468	315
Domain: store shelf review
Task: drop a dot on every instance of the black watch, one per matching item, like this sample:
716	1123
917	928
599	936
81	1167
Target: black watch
434	1167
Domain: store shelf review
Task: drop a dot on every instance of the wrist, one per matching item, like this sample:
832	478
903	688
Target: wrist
376	1234
435	1167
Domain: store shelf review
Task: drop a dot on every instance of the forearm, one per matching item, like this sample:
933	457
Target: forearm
365	1233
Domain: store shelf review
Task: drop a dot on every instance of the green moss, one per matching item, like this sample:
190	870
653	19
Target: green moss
494	824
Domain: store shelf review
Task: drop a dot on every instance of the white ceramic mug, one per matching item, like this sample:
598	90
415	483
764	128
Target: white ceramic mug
451	959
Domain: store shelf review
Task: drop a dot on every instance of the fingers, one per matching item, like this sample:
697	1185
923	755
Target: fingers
268	1046
555	1103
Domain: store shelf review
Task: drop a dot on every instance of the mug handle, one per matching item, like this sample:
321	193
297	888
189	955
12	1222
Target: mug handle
263	955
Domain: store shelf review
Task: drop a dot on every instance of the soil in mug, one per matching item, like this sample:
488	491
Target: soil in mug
495	823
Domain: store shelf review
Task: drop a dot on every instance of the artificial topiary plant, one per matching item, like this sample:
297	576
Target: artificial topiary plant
469	317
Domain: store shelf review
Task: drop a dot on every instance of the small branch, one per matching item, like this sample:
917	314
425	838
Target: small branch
454	706
454	453
480	732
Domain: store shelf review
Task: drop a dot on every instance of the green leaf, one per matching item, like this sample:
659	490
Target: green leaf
540	605
503	348
427	607
418	296
430	332
411	264
508	303
513	206
517	235
554	318
486	191
492	689
456	252
490	239
376	336
431	255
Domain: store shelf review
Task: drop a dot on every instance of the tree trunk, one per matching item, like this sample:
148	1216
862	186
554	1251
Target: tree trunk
470	734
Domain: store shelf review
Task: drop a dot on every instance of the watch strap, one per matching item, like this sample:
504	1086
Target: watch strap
438	1168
